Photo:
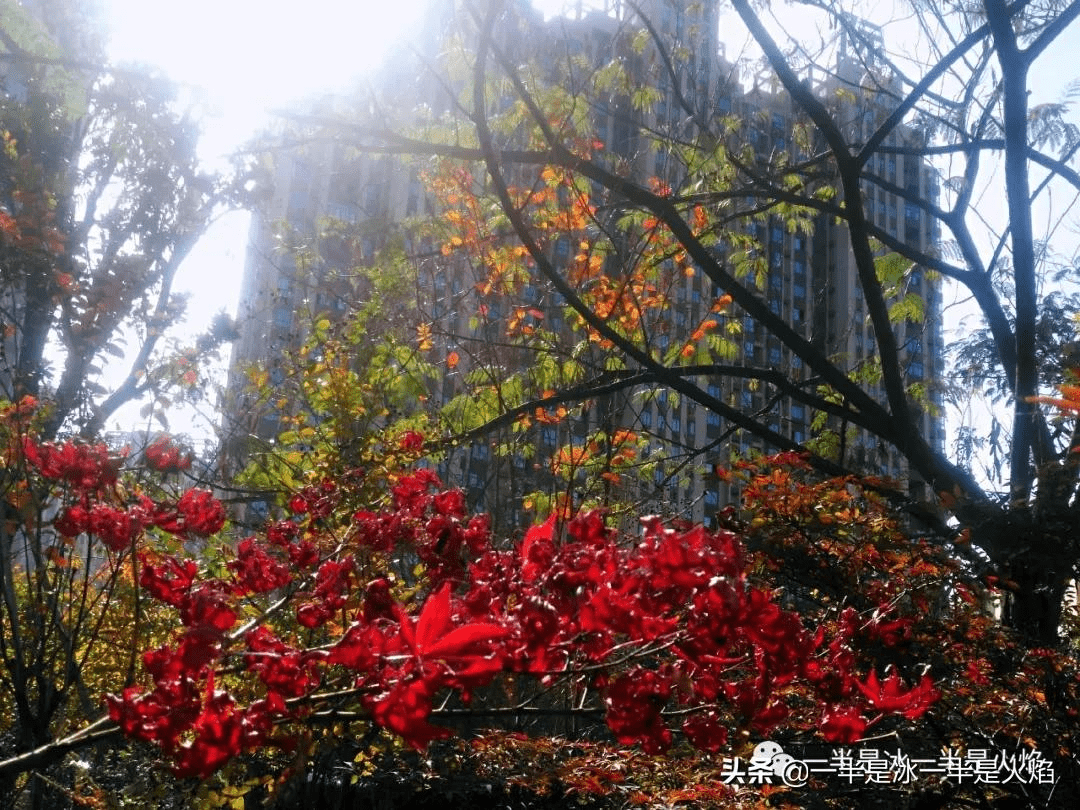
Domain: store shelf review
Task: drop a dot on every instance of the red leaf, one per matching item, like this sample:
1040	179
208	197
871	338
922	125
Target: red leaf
462	640
434	619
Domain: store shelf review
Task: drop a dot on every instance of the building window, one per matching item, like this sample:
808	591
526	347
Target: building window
562	249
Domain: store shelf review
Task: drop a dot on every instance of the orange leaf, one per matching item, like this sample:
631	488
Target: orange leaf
452	360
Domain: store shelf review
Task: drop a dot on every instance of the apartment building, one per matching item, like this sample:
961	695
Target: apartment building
809	277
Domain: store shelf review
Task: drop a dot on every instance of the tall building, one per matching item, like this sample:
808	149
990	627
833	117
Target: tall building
807	276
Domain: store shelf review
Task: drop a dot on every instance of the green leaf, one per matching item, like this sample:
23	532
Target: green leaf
891	268
909	308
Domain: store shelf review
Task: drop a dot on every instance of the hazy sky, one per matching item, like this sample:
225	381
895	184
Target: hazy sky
254	54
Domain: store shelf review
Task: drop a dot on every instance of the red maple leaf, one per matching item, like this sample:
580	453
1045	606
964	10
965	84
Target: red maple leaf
440	656
891	696
842	724
431	639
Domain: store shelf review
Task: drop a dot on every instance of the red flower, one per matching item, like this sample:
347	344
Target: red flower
206	606
378	601
890	696
538	549
705	731
217	736
404	710
331	581
255	571
116	528
284	670
303	554
164	456
73	521
170	582
411	492
85	466
197	512
318	500
633	704
842	724
282	533
450	502
411	441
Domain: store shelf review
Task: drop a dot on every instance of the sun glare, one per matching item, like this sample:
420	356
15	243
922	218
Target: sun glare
253	55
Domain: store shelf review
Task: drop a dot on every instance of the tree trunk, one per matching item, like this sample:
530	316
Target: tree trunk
1035	607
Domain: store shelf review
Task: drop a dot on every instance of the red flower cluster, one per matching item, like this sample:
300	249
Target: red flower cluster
255	570
430	521
285	671
411	441
88	467
667	625
332	581
116	528
316	500
199	727
197	512
633	702
165	456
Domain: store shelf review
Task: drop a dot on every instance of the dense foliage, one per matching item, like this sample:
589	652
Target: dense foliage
818	623
374	635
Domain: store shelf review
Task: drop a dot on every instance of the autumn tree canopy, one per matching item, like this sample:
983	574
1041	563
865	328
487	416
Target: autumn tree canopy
374	611
101	199
535	195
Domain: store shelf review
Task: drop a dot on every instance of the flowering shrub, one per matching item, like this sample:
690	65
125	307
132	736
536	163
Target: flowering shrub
663	631
409	616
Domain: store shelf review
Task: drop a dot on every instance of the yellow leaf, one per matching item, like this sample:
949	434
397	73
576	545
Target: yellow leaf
423	337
